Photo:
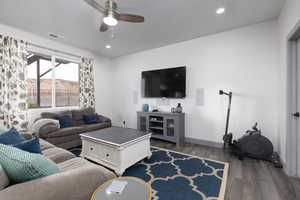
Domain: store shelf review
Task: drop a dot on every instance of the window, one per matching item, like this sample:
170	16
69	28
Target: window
52	85
66	83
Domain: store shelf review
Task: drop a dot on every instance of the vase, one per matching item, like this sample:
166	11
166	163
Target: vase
179	108
145	107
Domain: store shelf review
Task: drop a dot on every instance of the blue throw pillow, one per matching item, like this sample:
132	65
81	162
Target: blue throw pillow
11	137
91	119
21	166
31	146
65	121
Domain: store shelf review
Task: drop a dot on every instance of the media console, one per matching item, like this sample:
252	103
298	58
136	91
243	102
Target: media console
163	125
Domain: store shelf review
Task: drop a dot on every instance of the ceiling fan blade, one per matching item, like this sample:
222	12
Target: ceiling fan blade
104	27
130	18
96	5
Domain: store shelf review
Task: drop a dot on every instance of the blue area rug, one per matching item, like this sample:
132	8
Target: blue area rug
177	176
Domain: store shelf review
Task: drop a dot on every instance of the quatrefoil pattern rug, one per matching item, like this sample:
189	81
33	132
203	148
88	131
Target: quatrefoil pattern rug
176	176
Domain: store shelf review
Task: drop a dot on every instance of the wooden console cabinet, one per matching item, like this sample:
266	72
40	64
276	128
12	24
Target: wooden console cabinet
162	125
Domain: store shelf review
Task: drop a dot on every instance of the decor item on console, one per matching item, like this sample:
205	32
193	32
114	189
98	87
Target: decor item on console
145	107
86	83
179	108
173	110
154	108
13	93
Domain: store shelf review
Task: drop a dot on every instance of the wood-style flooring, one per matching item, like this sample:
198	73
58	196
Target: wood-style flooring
247	180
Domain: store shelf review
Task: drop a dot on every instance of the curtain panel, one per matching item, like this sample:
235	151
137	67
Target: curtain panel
13	84
86	83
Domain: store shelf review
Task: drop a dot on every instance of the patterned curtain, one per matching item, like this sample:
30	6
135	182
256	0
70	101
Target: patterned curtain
86	83
13	85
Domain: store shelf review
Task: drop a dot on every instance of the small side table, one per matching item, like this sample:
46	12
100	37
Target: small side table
135	189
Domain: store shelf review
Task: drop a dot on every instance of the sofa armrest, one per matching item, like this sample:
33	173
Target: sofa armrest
48	129
104	119
27	135
76	184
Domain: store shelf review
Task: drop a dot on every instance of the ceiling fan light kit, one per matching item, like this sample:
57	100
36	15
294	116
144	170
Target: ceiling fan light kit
221	10
111	16
110	20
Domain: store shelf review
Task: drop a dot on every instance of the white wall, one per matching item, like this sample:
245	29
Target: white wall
102	68
289	17
244	61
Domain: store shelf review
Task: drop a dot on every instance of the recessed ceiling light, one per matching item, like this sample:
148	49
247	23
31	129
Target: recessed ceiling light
108	46
220	10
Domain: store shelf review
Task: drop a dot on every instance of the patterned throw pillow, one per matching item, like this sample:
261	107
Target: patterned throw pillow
4	182
2	130
21	166
11	137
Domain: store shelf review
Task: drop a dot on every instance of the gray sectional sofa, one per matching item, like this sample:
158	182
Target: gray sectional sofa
77	180
68	138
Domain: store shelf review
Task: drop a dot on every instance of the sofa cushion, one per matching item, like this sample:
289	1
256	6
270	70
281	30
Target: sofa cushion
58	140
72	164
31	146
93	127
58	155
4	181
49	115
21	166
11	137
78	114
75	130
53	115
45	145
70	145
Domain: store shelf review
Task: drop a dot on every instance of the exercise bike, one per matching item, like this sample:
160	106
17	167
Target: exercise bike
252	144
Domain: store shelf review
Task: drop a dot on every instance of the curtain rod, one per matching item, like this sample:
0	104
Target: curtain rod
54	50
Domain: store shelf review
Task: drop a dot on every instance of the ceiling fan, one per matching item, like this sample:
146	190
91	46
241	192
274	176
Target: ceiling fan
111	16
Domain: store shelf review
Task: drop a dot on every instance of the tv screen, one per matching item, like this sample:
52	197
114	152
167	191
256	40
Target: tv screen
169	83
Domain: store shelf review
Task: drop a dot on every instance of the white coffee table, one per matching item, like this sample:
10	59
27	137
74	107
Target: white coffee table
136	189
116	148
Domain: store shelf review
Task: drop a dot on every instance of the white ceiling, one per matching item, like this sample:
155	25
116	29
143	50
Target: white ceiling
166	21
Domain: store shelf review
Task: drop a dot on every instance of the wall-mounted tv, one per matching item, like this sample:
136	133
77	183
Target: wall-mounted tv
168	83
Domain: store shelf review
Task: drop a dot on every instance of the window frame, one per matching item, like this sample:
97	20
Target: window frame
53	59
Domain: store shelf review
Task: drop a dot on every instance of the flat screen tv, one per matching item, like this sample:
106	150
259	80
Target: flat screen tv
168	83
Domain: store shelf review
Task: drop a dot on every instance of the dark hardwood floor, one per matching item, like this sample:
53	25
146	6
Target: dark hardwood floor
247	180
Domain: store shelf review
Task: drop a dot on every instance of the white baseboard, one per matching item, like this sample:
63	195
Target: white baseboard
204	142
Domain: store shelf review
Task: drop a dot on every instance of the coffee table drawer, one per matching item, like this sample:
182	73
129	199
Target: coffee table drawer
108	154
91	148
